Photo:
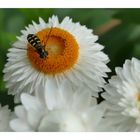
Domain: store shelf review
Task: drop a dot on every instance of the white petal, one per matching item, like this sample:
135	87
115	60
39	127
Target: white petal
51	93
20	126
20	112
30	102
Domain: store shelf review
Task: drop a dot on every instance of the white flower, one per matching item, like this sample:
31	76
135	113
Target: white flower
123	98
58	109
5	116
72	54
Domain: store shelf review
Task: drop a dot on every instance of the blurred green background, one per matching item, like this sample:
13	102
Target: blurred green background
118	30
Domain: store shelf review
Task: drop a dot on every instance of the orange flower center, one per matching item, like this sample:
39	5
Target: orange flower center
62	51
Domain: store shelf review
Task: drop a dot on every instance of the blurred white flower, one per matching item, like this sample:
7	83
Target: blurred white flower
5	116
58	109
123	98
72	55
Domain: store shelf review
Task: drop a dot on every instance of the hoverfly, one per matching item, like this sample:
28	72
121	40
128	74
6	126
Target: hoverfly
36	44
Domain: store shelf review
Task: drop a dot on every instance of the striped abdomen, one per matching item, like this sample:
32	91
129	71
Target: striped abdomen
33	40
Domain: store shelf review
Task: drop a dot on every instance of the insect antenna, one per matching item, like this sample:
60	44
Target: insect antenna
49	34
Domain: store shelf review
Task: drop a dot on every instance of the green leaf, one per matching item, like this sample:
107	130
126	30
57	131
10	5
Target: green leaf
34	14
136	51
2	15
129	15
6	99
88	17
117	44
15	24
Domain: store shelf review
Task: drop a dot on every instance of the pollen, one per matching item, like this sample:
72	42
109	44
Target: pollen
138	97
62	50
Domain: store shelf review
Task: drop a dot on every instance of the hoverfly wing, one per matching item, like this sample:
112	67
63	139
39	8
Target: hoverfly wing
41	51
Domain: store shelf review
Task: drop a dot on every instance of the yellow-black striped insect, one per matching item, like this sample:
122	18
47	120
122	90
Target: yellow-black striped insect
36	43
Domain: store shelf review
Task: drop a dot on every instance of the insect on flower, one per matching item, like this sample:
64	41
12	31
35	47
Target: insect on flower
36	44
66	56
